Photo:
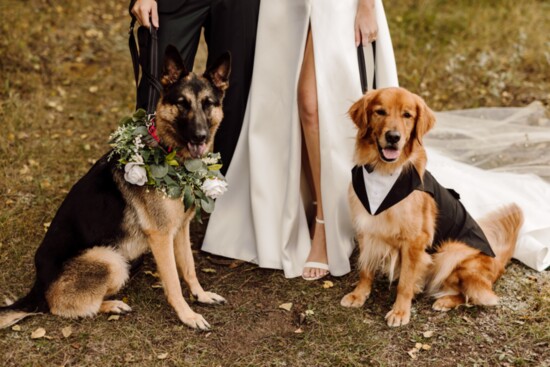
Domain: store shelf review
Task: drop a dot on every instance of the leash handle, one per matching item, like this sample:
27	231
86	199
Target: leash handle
363	67
147	61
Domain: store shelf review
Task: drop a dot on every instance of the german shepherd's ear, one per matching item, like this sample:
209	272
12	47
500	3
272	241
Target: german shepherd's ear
358	111
174	68
425	119
218	73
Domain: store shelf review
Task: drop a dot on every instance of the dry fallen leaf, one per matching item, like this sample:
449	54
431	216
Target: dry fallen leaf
16	328
93	89
113	318
149	272
418	345
286	306
298	331
412	353
328	284
208	270
156	285
426	347
38	333
162	356
67	331
428	334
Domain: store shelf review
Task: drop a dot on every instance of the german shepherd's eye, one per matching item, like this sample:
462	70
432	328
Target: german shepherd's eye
407	115
207	103
380	112
184	103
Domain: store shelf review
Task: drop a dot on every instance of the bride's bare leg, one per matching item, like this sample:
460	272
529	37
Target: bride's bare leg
309	117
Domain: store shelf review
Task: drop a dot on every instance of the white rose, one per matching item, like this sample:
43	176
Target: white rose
135	174
214	187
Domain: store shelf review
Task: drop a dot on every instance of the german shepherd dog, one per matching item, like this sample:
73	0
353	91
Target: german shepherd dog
418	232
105	223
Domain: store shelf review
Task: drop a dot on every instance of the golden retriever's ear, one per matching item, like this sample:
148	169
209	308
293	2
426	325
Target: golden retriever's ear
358	111
425	119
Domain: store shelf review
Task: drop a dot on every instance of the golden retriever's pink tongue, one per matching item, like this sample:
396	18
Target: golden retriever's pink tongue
196	150
390	154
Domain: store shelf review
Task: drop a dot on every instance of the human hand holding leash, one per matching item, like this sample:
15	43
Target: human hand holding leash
366	28
145	9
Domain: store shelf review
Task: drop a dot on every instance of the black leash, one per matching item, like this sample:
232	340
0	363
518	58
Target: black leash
148	45
363	68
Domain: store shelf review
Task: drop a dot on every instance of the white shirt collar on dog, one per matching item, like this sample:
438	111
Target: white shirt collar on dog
378	186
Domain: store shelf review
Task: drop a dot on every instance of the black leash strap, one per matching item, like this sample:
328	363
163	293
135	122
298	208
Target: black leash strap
363	68
147	60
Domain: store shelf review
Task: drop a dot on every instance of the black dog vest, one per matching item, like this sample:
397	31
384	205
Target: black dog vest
453	221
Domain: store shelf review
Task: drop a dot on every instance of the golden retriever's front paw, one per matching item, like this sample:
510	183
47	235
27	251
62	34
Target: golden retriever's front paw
398	317
354	299
210	298
195	321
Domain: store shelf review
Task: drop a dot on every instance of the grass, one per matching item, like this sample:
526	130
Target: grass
66	80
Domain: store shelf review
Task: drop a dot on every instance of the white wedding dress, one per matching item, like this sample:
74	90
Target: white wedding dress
262	218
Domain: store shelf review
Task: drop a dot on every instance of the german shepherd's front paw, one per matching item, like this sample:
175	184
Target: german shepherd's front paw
354	299
195	321
210	298
398	317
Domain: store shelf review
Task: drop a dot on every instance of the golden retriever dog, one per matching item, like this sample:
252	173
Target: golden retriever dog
407	225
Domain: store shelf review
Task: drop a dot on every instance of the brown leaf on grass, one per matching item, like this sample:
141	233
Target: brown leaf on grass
412	353
162	356
426	347
38	333
208	270
67	331
113	318
16	328
149	272
328	284
428	334
286	306
299	331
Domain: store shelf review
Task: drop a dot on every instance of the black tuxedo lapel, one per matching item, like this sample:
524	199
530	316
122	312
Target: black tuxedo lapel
359	186
408	181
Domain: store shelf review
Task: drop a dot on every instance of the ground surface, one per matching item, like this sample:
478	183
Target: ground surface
65	82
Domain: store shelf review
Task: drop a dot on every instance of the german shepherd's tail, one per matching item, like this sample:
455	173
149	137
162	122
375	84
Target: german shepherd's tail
501	227
32	304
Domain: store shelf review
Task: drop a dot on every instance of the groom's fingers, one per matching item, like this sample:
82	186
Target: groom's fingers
145	9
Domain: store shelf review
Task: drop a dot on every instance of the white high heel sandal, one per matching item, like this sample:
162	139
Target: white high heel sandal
315	264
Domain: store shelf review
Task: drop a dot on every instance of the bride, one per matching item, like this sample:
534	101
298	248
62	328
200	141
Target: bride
286	207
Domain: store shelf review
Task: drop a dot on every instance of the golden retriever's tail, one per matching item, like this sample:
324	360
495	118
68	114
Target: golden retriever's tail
445	261
501	228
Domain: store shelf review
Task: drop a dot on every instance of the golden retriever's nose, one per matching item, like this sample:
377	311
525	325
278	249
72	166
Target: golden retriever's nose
393	136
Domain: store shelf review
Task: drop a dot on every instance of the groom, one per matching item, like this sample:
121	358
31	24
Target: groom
228	25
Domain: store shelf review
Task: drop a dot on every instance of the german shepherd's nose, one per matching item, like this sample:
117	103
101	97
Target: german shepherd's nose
392	137
199	136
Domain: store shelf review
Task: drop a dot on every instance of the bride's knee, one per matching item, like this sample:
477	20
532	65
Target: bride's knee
308	110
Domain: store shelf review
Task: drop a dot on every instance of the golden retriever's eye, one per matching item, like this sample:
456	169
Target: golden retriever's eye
380	112
407	115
